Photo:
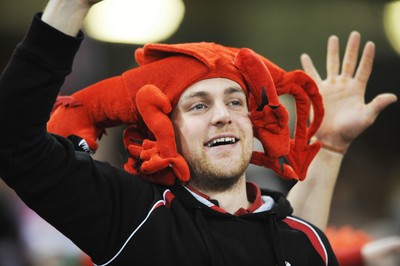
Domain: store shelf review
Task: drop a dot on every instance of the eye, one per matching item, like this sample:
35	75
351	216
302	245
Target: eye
236	103
198	106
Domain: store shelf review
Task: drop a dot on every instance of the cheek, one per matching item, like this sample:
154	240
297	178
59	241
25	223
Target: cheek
176	122
246	124
190	132
248	133
186	131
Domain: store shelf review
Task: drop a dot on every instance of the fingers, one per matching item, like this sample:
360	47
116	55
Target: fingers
332	57
309	67
351	54
367	59
349	69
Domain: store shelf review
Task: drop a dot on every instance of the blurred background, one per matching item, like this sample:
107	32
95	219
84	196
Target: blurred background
367	195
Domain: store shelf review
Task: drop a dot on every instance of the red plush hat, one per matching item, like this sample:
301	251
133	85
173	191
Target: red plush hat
143	97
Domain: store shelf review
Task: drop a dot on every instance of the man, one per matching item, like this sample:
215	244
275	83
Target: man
120	219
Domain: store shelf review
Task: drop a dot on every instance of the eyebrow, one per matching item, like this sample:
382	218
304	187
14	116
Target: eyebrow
197	94
231	90
227	91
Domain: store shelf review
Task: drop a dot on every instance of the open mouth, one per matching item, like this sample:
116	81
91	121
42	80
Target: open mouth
221	141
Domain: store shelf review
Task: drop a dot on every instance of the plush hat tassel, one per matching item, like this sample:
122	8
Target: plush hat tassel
88	112
269	117
155	156
305	92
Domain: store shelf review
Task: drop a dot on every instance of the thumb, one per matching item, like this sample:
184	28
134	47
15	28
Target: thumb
380	102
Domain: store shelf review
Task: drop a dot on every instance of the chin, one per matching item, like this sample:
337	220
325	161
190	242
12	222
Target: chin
216	178
212	184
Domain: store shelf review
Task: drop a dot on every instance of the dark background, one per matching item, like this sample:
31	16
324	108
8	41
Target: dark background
368	190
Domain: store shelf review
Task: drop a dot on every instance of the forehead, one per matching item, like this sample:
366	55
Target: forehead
211	86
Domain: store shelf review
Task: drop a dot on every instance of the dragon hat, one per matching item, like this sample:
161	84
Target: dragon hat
142	99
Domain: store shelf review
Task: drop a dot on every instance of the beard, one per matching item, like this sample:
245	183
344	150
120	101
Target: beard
211	176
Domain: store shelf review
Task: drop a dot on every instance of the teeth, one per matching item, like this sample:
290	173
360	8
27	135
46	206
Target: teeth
221	141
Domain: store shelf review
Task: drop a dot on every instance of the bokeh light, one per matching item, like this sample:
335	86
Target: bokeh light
391	23
134	21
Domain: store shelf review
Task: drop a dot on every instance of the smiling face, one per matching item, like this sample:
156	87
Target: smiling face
214	133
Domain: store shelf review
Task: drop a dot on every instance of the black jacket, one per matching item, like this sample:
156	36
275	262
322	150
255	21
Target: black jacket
113	216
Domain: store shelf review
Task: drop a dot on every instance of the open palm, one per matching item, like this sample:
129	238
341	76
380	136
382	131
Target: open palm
343	91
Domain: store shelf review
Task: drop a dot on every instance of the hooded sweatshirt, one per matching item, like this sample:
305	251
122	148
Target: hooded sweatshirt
115	217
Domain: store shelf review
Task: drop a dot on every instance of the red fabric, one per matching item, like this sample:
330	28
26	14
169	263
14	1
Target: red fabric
347	242
271	124
253	196
143	97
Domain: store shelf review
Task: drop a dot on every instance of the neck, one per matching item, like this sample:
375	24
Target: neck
230	200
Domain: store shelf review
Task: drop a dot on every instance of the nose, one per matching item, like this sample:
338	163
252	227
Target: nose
220	115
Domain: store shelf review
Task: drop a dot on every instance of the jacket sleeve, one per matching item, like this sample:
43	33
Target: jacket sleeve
28	88
330	254
84	199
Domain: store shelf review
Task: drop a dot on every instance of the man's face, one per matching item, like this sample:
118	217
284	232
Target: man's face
214	133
